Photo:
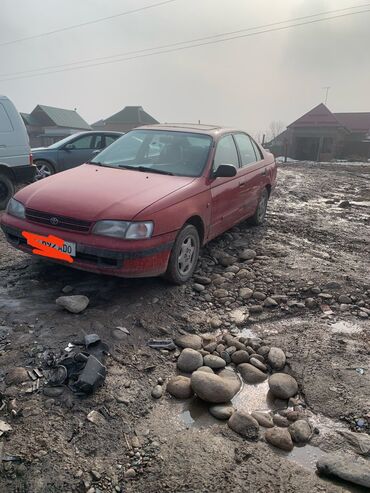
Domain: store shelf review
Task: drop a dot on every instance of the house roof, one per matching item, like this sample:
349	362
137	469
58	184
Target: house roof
131	114
320	116
48	115
28	119
355	122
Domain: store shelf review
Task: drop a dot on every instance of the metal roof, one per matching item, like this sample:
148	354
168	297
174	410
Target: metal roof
356	122
48	115
131	114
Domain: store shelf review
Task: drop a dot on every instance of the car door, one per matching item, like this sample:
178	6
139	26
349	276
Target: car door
224	191
250	175
76	152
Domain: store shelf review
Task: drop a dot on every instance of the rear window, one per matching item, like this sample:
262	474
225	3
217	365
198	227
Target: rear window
5	122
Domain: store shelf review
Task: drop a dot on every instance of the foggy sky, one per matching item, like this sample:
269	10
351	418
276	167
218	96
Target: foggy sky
245	83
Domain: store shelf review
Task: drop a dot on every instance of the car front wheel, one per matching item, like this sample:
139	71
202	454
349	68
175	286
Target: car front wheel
43	169
184	255
6	190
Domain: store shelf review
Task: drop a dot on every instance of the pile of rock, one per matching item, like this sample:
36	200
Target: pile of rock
203	361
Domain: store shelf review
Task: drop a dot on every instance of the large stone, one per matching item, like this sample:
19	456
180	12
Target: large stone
74	304
189	360
280	438
282	385
281	421
359	441
214	362
257	362
247	254
245	293
240	356
264	419
300	431
212	388
233	341
222	411
180	387
232	379
276	358
347	467
189	341
244	424
251	374
206	369
16	375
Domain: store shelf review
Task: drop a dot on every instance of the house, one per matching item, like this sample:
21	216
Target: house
321	135
126	119
46	124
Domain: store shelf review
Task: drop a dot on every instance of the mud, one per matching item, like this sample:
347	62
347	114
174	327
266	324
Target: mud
308	240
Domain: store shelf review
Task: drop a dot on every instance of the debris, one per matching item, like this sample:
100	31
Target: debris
360	371
96	418
124	330
4	428
326	310
162	344
74	304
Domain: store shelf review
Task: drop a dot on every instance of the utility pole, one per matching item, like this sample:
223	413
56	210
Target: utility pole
326	93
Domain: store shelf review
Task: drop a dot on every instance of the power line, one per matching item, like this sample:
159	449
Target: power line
171	45
88	23
215	41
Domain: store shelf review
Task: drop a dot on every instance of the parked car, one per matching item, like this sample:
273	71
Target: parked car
72	151
147	203
15	153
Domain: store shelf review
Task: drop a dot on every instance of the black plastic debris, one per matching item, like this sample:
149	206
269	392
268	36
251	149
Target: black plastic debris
81	371
162	344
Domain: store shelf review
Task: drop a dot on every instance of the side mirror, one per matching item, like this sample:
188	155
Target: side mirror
96	152
69	147
225	171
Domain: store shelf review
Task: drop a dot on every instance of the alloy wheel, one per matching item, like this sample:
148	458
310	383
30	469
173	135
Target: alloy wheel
187	255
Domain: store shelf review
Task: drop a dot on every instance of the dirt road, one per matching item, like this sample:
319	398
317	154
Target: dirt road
312	255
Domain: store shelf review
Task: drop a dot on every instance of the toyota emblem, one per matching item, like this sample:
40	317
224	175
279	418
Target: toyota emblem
54	221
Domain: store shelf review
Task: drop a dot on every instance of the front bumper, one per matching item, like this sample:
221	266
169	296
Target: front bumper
144	258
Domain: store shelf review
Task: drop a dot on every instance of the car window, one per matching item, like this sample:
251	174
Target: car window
257	150
226	153
5	123
99	141
246	150
84	142
109	139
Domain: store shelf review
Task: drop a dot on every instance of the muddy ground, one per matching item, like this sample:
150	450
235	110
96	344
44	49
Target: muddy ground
310	245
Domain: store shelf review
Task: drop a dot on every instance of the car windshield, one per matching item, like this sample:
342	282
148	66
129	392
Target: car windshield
158	151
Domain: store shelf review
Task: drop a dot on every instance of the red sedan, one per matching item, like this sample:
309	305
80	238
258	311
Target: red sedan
145	205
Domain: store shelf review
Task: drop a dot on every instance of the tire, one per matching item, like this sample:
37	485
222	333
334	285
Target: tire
187	245
6	190
259	216
44	169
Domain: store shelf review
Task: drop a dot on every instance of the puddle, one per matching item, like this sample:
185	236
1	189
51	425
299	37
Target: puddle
306	456
343	327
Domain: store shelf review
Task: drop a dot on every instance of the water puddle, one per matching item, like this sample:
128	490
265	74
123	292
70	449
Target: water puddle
343	327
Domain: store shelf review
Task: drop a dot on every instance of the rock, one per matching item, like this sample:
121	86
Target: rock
347	467
247	254
202	279
53	391
238	316
300	431
67	289
244	424
157	392
276	358
220	293
264	419
129	473
270	303
225	355
220	348
251	374
4	428
192	341
359	441
344	204
226	260
231	350
96	418
189	360
263	351
280	298
207	369
231	378
16	375
198	287
255	309
214	362
233	342
212	388
281	421
280	438
180	387
216	323
257	295
282	385
74	304
240	356
343	298
211	347
221	411
245	293
257	363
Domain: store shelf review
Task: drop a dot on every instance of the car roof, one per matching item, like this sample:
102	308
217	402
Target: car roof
213	130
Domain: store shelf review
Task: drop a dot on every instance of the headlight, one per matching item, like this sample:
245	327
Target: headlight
124	229
15	208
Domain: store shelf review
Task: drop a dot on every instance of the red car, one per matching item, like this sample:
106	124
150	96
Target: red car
145	205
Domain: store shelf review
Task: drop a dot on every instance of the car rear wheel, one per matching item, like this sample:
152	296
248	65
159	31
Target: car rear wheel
6	190
259	216
184	255
43	169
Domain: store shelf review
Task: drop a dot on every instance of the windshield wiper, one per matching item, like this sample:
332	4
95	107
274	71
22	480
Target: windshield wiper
146	169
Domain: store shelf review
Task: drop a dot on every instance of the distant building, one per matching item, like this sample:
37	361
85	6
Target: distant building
46	125
321	135
126	119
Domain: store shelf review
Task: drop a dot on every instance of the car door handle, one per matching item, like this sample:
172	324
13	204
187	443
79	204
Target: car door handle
241	183
264	172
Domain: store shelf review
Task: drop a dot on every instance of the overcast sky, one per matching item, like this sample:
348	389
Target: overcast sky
246	82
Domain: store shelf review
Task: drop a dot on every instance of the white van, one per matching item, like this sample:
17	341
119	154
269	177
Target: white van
15	153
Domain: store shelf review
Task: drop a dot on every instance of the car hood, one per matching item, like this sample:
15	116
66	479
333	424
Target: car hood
93	193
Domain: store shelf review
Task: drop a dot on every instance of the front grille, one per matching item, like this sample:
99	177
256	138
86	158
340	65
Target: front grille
59	222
